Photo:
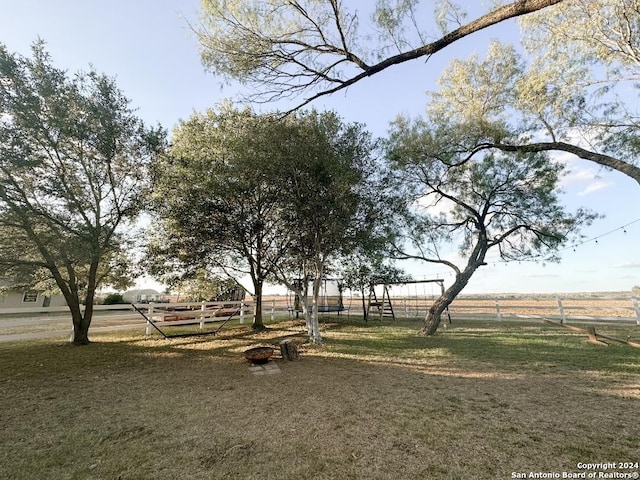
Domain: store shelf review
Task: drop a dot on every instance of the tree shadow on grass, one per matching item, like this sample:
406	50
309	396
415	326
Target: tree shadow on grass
506	347
372	402
534	347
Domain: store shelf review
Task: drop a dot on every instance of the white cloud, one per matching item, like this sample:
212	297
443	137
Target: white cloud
541	275
585	177
579	174
563	157
596	187
626	265
580	171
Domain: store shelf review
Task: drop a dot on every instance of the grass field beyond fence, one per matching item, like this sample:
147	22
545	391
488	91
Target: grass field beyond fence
481	400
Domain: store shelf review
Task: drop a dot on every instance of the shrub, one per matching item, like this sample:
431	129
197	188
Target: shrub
114	299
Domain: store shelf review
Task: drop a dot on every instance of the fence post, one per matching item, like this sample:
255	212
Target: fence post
242	312
634	301
273	308
406	308
202	316
147	330
498	310
563	318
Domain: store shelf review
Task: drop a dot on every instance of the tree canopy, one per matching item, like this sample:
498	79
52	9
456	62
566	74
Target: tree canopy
580	50
571	93
217	197
478	200
312	48
266	198
73	159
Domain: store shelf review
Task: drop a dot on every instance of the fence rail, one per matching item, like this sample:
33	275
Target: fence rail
620	309
563	309
617	309
127	316
191	313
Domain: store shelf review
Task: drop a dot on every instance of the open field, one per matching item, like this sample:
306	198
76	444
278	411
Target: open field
480	400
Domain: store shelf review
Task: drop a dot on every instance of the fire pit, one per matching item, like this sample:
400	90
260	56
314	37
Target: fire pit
258	354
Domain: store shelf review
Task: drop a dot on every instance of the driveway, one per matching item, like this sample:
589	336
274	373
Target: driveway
27	327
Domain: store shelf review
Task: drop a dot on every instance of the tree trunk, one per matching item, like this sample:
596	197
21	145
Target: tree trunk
300	291
306	313
432	320
314	334
257	309
80	322
81	331
365	312
81	334
289	350
304	300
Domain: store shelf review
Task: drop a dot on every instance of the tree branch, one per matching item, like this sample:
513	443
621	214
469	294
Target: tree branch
599	158
400	255
512	10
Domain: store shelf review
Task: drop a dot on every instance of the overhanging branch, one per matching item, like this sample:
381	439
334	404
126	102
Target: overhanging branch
512	10
599	158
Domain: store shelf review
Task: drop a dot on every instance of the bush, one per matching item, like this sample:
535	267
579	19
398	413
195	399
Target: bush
114	299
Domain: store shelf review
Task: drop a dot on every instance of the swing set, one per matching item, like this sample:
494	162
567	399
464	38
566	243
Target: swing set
382	305
379	304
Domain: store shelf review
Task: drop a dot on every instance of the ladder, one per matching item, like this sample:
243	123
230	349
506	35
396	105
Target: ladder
382	307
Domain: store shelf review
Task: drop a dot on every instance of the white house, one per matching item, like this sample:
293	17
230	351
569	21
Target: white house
16	298
144	295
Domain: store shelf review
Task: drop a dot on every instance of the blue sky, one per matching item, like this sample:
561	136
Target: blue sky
147	45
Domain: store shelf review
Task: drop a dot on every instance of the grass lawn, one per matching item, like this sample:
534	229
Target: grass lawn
478	401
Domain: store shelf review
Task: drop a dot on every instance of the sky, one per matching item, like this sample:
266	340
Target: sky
148	46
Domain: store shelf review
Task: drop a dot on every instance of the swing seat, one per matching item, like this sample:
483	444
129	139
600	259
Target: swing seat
330	308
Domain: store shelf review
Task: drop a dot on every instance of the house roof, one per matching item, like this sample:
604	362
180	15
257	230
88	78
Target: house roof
142	291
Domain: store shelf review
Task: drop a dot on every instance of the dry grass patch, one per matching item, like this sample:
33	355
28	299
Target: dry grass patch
375	402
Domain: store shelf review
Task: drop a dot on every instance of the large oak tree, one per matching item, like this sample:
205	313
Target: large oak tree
272	199
216	197
334	201
73	159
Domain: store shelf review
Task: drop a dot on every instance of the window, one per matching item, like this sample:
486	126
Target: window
30	296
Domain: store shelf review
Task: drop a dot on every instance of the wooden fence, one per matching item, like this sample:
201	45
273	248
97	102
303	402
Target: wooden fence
190	313
559	308
581	308
128	315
